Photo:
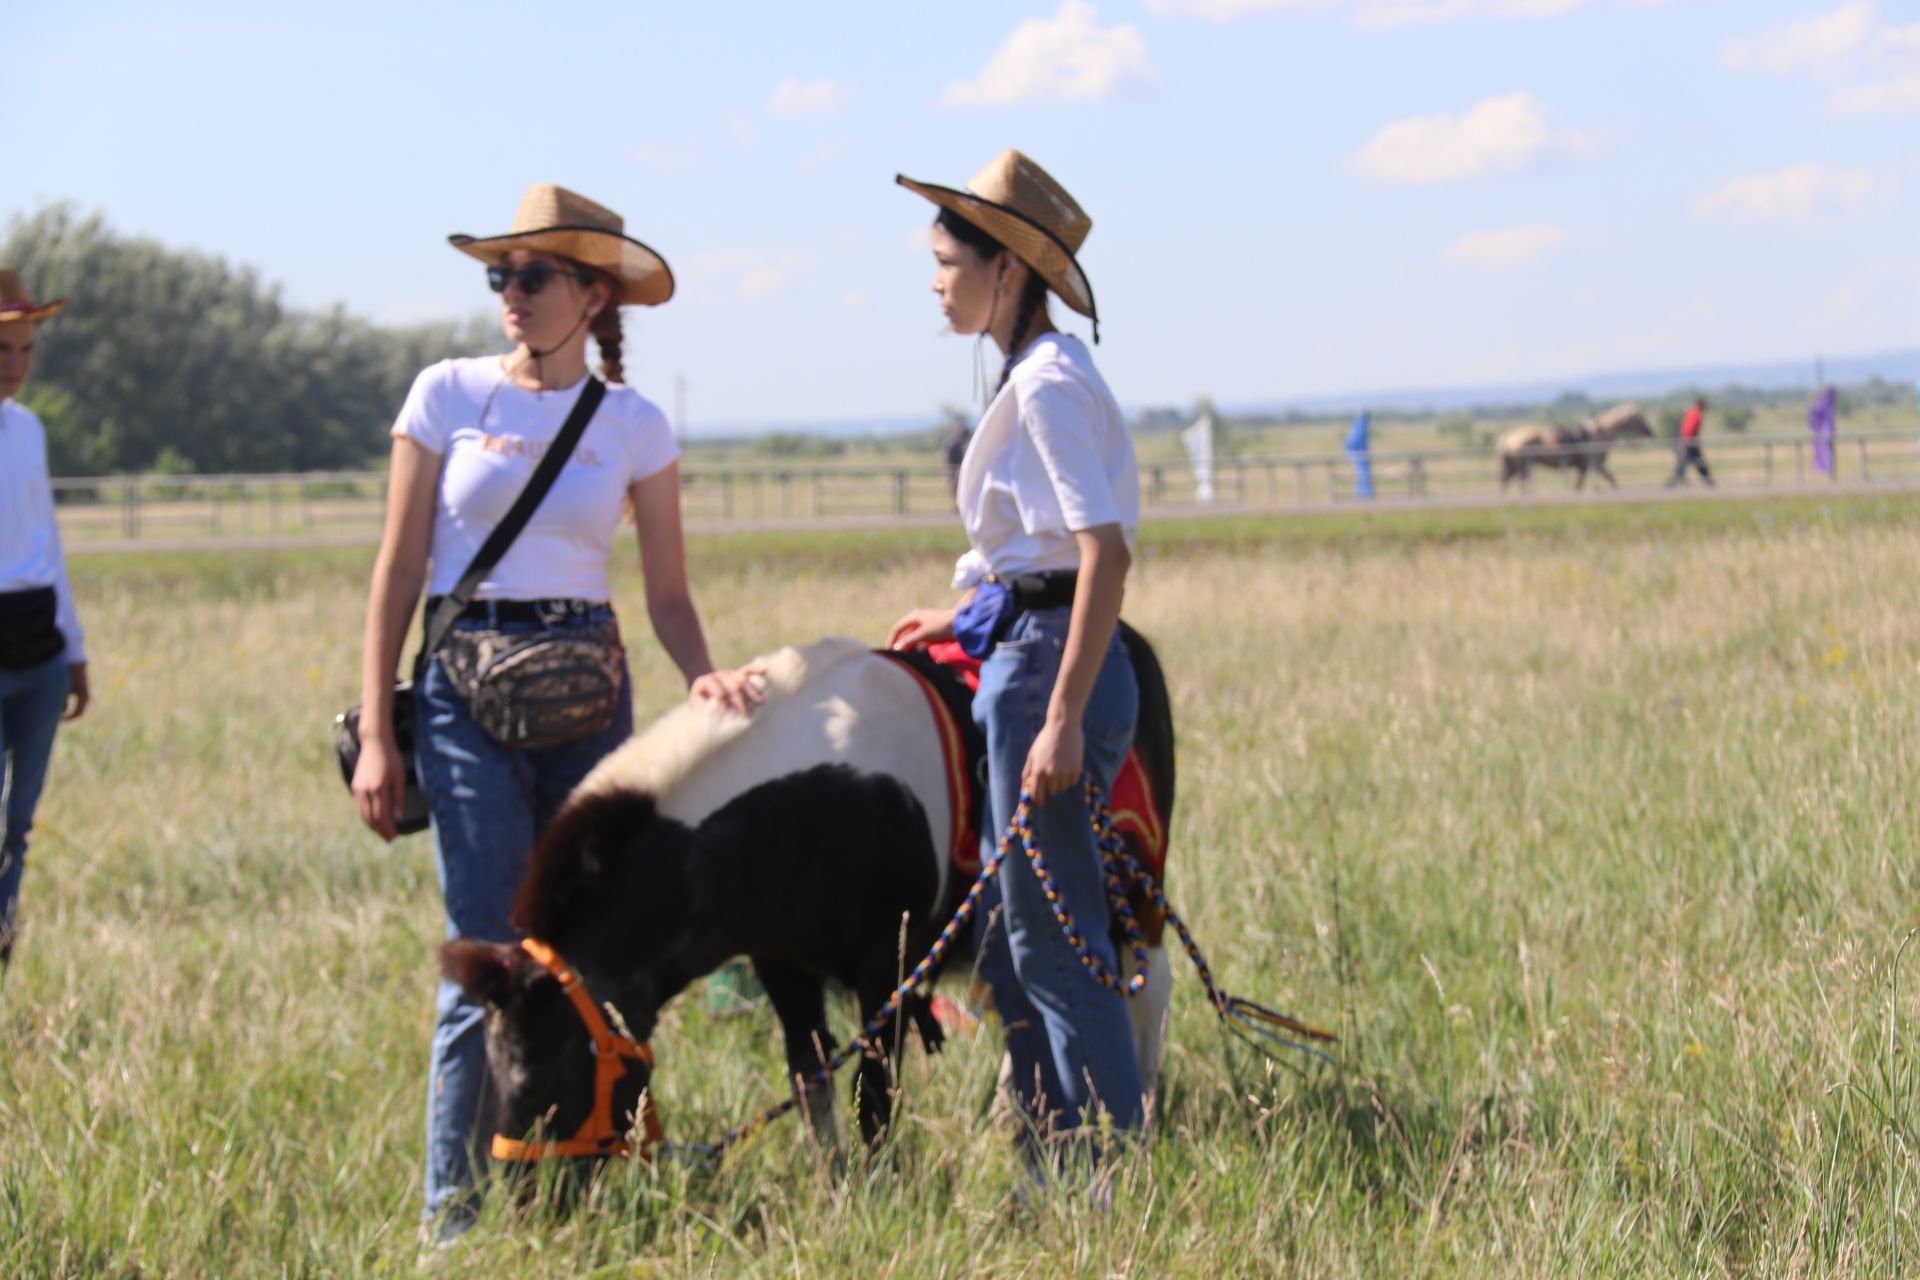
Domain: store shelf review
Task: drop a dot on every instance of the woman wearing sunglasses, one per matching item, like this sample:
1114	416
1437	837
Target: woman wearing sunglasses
465	444
1049	493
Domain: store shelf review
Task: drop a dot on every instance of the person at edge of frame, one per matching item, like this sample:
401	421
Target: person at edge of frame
1049	487
466	441
43	655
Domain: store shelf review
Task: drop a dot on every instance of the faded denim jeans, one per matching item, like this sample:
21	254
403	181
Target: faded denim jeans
1070	1039
31	700
488	804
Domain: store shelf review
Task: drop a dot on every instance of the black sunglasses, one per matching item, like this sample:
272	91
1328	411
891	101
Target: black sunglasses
532	278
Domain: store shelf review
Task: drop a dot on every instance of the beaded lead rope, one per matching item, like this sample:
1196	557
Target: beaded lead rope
1117	863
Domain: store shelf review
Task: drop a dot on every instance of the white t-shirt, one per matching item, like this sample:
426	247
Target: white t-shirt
1052	456
492	435
30	554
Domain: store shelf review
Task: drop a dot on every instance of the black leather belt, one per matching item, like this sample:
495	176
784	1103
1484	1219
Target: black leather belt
1050	589
543	612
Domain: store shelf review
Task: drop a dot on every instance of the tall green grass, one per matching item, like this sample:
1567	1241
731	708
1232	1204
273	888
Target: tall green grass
1591	830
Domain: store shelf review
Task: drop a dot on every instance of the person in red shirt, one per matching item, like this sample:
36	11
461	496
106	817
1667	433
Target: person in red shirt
1688	448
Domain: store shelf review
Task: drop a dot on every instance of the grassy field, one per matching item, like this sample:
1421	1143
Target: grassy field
1592	829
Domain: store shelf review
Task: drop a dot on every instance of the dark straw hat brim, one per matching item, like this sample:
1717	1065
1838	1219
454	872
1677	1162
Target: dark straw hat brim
644	277
1030	242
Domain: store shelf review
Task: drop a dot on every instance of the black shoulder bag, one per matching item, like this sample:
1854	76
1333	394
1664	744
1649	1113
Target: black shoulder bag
413	809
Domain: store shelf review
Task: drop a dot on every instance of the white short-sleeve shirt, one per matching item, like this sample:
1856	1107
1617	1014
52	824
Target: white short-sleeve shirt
492	434
30	554
1052	456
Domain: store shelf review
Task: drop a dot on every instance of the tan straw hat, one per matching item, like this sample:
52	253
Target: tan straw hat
17	304
1019	204
555	220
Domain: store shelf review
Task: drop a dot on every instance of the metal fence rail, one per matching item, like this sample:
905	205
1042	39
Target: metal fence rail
349	506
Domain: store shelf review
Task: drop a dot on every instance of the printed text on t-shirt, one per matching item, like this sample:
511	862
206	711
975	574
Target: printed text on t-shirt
520	447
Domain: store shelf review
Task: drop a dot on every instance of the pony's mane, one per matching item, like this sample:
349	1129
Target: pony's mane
620	791
666	751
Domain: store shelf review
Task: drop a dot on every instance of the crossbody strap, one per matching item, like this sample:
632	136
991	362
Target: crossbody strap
504	533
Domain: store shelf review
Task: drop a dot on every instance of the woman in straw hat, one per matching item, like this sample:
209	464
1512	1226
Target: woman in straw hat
1049	492
43	659
466	441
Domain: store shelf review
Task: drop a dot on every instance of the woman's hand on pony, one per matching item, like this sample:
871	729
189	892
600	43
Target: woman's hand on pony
738	690
922	627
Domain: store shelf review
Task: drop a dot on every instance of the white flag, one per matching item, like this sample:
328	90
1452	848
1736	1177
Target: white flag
1199	441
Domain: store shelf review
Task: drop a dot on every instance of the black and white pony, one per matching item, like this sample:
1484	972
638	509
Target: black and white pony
801	838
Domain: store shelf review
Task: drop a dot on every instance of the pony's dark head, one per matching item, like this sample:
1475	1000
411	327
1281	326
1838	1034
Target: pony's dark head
597	892
541	1057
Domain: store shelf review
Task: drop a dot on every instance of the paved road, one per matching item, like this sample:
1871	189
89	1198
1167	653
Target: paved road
1558	497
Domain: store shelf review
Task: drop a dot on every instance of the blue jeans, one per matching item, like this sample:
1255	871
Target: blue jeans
488	804
31	700
1070	1039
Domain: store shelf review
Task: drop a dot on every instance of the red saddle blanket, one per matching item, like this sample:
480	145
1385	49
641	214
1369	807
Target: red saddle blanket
1135	812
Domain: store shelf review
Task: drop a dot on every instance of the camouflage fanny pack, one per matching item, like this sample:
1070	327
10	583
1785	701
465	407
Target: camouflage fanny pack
538	689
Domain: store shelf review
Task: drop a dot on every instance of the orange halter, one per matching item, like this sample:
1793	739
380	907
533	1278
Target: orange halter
596	1136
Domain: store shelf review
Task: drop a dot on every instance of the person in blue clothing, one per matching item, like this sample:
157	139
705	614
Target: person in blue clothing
43	656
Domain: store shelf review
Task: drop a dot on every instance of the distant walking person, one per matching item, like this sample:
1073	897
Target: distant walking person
1688	447
43	660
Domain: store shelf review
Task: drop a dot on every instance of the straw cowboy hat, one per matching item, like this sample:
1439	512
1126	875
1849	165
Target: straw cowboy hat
1019	204
17	304
555	220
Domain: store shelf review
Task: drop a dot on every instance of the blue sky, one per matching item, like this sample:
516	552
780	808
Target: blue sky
1289	197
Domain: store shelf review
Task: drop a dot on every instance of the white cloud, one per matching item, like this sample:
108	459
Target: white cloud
1499	135
760	281
1879	98
655	156
1386	14
819	156
747	273
794	98
1802	193
1505	247
1873	68
1233	10
1069	57
1824	42
1885	290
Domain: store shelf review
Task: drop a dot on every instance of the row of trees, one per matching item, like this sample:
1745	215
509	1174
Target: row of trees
179	362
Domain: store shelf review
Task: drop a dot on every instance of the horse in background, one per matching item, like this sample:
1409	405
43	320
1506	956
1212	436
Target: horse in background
816	838
1580	449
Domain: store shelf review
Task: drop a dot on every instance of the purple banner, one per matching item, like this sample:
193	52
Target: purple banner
1820	421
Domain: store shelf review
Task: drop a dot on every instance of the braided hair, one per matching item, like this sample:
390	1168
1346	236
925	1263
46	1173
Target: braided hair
606	334
1033	300
1033	294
